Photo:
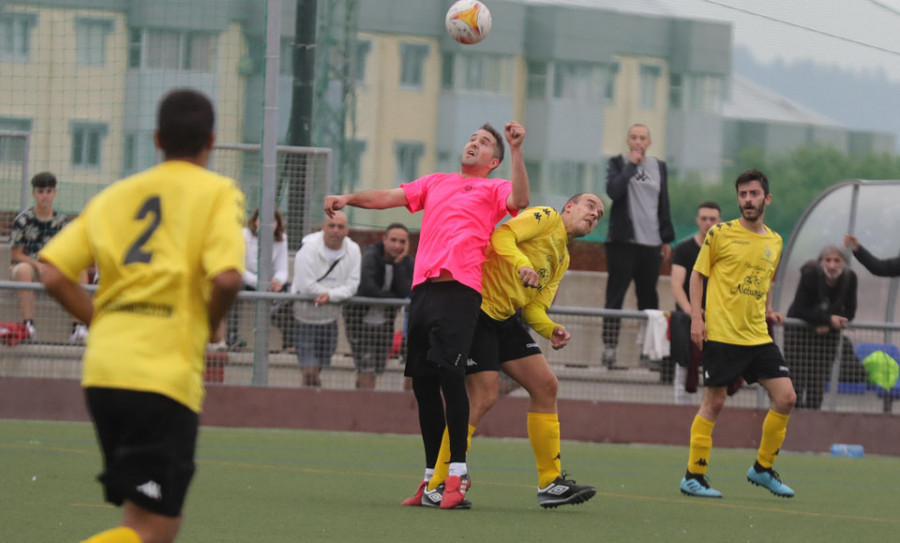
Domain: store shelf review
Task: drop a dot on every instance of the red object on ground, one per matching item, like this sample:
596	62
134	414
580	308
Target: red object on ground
215	366
12	333
396	345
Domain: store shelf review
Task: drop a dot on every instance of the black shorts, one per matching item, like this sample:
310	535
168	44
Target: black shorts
442	319
148	442
496	342
723	363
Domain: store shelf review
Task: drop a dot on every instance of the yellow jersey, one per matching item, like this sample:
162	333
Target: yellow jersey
740	265
158	238
535	238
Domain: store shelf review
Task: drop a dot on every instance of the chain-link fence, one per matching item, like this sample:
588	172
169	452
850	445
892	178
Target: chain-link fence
14	189
303	178
365	348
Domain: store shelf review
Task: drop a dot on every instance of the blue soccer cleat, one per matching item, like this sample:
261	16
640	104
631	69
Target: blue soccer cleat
697	485
768	478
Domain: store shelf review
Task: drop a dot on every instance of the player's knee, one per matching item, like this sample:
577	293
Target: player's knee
714	405
785	401
547	388
482	403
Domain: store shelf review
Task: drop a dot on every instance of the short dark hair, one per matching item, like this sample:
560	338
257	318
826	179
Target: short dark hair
499	148
572	200
399	225
709	204
43	180
750	175
184	123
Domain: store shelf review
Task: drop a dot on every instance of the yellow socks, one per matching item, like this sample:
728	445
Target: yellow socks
442	468
116	535
543	433
773	432
701	445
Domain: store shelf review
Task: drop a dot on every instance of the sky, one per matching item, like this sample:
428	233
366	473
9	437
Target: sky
862	35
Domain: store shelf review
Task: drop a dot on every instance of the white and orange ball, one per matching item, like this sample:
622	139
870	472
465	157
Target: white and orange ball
468	21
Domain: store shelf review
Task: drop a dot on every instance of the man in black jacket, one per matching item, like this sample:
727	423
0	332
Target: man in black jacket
889	267
387	272
826	300
640	230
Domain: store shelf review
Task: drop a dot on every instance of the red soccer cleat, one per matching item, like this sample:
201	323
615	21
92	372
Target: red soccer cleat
416	499
455	488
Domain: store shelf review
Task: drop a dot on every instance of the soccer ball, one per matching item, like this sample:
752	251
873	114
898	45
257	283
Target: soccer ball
468	21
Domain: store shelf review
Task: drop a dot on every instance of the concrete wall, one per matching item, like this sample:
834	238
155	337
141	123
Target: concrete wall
395	412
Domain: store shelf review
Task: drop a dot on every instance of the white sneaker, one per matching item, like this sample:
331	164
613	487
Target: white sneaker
32	332
219	346
79	334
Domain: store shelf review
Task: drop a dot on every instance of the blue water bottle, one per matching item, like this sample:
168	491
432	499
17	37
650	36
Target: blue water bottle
846	450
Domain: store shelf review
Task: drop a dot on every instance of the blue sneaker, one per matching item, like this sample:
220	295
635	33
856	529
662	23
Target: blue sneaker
698	486
769	479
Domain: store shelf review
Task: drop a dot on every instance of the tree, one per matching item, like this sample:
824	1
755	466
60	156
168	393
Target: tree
795	179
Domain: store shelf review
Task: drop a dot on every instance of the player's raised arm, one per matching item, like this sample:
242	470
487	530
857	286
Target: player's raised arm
521	193
368	199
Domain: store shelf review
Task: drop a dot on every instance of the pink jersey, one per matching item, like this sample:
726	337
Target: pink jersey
460	214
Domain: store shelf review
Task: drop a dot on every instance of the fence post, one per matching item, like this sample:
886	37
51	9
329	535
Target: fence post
831	400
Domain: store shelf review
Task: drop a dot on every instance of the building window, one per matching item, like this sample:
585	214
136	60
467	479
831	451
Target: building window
479	73
171	50
566	178
408	155
135	41
584	82
87	139
15	36
353	163
491	73
704	93
676	91
129	154
12	148
447	69
535	172
537	80
360	56
90	41
412	64
649	77
609	91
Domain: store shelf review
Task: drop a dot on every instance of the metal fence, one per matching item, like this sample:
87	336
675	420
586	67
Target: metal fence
369	351
15	193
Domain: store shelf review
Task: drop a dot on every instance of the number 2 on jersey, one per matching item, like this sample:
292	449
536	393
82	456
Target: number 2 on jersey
136	252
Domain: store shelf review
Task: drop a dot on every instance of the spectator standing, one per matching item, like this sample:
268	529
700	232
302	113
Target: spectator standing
326	268
739	258
685	355
826	300
31	230
387	272
640	230
279	275
167	243
460	211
